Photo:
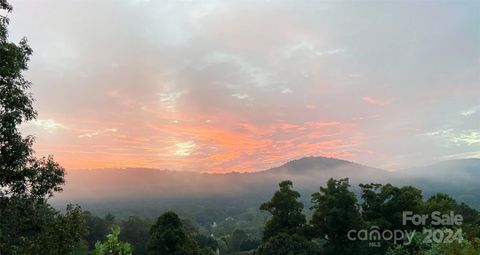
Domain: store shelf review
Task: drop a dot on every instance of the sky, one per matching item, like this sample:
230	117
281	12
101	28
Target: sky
221	86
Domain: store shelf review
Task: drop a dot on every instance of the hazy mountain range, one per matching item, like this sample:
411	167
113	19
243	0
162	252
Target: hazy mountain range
138	187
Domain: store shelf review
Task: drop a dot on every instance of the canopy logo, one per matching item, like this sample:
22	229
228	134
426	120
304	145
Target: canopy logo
432	233
374	235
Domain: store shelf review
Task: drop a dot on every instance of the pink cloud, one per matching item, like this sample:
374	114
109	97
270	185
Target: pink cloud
376	101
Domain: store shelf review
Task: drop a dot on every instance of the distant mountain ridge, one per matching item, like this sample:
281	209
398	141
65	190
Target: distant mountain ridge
460	178
151	182
310	162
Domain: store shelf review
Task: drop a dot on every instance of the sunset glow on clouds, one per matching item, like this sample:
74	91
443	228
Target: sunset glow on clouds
222	86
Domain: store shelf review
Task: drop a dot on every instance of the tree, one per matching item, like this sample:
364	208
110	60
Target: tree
201	237
469	214
471	220
238	237
441	202
285	231
419	247
288	244
113	246
241	241
383	205
335	214
168	237
287	216
97	227
39	229
21	173
464	247
135	230
28	225
206	242
109	220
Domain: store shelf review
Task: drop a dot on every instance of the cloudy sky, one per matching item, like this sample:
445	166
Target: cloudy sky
246	85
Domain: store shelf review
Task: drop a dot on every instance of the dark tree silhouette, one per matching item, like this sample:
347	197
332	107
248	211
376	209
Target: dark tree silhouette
28	225
168	237
336	213
22	174
288	244
135	230
285	232
287	216
384	205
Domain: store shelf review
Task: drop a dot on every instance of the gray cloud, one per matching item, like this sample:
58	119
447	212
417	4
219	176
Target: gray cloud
101	64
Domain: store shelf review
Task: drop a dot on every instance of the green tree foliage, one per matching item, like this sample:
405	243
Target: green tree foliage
168	237
442	203
416	246
136	231
22	174
240	241
67	231
201	237
39	229
336	211
384	205
446	204
109	220
285	231
205	242
98	229
464	247
287	216
469	214
335	214
28	225
471	220
237	238
288	244
419	247
113	246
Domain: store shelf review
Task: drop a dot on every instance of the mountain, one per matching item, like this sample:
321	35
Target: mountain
307	173
458	178
326	168
462	169
140	188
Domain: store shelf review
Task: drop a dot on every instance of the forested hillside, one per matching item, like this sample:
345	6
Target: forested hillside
308	206
146	192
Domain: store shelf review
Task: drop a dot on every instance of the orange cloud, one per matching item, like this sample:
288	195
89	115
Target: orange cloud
224	144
